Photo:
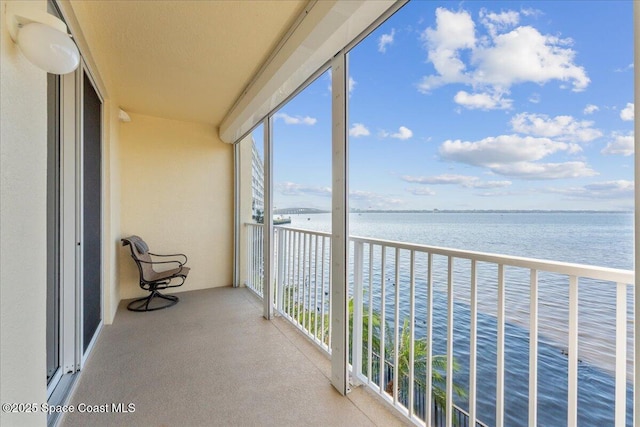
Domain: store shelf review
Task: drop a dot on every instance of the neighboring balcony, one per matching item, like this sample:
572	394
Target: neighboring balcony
504	349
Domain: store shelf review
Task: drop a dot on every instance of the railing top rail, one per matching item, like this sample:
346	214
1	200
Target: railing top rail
302	230
565	268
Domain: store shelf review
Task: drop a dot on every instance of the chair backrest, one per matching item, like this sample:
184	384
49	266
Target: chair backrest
140	252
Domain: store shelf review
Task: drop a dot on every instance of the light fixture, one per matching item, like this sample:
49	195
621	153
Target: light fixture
42	38
123	116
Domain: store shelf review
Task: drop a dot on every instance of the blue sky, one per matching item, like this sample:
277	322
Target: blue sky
474	105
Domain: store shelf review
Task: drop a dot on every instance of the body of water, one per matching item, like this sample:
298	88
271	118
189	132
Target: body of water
599	239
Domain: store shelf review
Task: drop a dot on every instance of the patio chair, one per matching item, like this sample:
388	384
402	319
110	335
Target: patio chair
152	280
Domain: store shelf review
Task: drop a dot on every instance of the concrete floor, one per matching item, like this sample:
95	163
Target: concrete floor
212	360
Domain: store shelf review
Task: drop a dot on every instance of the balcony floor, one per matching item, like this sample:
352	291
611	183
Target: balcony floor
213	360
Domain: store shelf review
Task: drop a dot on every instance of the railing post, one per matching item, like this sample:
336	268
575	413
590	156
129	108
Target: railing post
572	403
356	335
279	235
621	355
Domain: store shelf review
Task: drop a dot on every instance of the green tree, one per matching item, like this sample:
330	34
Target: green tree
420	350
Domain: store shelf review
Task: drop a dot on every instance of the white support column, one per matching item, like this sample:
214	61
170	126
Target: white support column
636	304
267	291
237	182
339	226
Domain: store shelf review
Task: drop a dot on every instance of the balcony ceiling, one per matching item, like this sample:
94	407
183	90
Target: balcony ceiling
184	60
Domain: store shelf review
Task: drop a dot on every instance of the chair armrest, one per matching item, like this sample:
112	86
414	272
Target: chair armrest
171	255
180	264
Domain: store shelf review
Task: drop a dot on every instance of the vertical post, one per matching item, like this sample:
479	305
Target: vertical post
428	400
572	404
533	350
412	324
500	349
237	182
267	291
636	304
280	273
356	339
339	225
621	355
449	385
473	344
396	330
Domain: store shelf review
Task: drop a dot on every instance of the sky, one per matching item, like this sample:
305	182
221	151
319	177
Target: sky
474	105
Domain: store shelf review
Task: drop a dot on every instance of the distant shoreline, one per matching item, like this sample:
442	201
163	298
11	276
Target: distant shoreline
309	211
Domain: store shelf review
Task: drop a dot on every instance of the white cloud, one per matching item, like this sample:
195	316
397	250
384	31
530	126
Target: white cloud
534	98
590	109
403	133
515	156
622	70
525	55
453	32
421	191
627	113
531	12
358	129
563	128
537	171
500	149
482	101
367	199
499	21
451	179
296	120
497	61
620	189
294	189
386	39
621	144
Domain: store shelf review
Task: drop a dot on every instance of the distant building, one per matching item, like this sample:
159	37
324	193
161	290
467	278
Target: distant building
257	183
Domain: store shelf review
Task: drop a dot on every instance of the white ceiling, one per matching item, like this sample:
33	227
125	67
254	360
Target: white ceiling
183	60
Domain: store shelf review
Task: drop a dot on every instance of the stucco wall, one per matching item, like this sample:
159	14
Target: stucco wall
23	191
177	194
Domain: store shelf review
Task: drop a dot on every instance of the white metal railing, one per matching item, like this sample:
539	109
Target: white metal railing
302	277
255	258
388	278
402	268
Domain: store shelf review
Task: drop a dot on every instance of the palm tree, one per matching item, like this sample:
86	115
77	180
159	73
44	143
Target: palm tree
438	365
420	350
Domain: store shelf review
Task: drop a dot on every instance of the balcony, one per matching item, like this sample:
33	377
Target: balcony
411	303
213	360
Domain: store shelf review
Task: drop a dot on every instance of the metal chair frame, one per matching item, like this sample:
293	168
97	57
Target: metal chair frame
160	282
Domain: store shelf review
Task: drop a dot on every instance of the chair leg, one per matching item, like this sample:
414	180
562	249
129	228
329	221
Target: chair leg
142	304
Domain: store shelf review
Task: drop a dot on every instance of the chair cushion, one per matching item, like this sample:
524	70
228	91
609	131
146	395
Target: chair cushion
159	275
141	245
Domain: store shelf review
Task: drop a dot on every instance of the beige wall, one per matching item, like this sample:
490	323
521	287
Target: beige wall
23	177
177	194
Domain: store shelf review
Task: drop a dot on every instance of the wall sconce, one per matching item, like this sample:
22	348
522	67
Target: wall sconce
42	38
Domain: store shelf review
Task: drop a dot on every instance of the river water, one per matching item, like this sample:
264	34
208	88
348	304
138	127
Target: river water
599	239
